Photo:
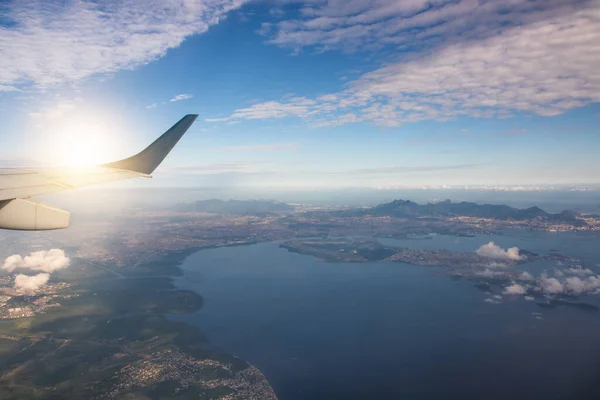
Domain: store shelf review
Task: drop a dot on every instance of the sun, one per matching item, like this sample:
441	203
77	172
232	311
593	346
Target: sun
85	147
80	140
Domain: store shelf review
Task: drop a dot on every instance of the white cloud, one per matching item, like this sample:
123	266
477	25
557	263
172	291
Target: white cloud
30	284
491	250
575	285
579	271
493	300
55	112
181	97
481	59
48	43
264	147
242	167
44	260
529	298
526	276
360	24
579	286
151	106
558	273
295	107
515	288
551	285
488	273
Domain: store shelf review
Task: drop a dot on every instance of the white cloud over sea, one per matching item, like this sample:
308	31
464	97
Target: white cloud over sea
492	250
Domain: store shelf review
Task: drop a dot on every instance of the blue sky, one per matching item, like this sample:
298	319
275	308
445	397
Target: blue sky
309	94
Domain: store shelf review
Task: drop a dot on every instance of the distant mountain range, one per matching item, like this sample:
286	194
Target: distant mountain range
396	208
236	207
407	208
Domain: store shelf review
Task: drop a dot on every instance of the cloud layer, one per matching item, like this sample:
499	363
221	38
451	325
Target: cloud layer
45	43
492	250
372	24
486	59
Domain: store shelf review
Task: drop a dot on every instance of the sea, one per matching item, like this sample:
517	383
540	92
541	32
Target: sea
320	330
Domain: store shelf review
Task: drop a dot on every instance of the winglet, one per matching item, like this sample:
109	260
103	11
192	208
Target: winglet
148	159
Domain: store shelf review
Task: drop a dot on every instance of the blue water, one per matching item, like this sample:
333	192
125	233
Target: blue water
389	330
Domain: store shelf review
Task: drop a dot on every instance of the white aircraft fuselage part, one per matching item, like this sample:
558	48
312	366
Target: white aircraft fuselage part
19	212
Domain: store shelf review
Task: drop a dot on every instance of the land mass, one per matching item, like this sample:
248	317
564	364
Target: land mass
109	337
104	321
235	207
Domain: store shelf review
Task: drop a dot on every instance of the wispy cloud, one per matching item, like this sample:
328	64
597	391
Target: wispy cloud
56	42
219	168
511	132
352	25
264	147
181	97
399	169
484	60
294	107
151	106
56	111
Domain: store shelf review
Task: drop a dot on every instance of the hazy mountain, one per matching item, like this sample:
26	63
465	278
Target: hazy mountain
238	207
407	208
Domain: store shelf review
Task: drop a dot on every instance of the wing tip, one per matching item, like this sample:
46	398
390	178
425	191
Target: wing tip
152	156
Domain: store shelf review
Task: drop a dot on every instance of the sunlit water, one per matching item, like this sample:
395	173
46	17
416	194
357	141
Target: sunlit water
390	330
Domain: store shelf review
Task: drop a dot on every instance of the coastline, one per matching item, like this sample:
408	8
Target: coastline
115	332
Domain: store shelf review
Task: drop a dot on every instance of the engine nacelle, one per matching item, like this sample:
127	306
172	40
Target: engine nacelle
29	215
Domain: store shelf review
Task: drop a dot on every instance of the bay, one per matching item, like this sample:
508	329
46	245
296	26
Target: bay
391	330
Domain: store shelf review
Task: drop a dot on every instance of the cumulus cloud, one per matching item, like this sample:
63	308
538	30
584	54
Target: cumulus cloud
579	286
44	260
579	271
57	42
572	285
551	285
489	273
515	288
181	97
526	276
492	250
30	284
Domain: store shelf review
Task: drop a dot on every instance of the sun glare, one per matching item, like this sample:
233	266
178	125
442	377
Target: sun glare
85	148
79	141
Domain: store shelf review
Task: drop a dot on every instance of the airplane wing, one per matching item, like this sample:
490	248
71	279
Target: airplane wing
18	211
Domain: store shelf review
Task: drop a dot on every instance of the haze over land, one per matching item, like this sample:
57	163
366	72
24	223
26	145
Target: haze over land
298	241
